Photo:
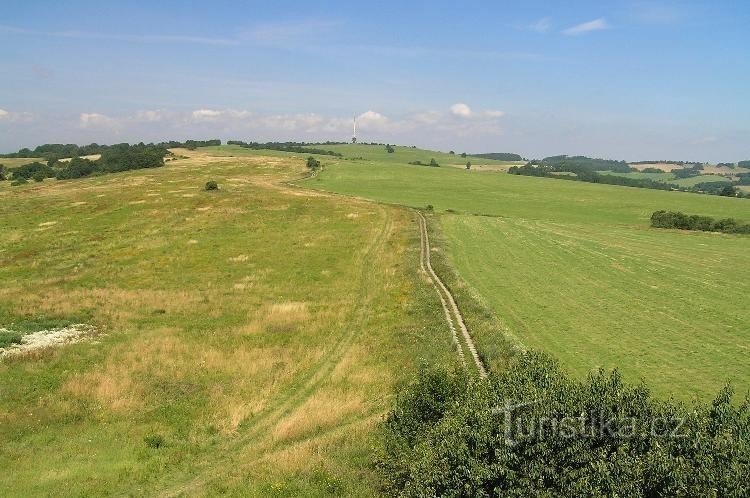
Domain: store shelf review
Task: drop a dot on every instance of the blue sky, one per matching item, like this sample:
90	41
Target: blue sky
631	80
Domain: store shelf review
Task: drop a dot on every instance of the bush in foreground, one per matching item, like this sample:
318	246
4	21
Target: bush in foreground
533	431
211	185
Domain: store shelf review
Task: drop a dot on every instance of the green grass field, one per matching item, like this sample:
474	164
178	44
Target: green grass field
257	331
574	269
670	178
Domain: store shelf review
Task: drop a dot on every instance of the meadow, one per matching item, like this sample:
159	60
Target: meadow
574	269
247	343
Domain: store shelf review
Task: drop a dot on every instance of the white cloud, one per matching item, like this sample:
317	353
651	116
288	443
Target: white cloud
14	117
542	25
371	118
205	114
587	27
151	116
494	114
461	110
94	119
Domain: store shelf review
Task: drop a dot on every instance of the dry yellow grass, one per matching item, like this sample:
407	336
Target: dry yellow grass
253	326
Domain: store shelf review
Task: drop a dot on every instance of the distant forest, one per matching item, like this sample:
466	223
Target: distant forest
63	151
114	158
298	147
500	156
586	169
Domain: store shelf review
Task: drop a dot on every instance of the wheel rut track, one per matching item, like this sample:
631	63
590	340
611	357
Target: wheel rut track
309	381
452	313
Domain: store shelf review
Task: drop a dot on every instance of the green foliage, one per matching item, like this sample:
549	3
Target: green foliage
211	185
389	148
313	163
2	173
577	164
124	157
499	156
9	337
468	165
77	168
652	170
434	163
463	154
681	221
728	191
744	164
532	431
299	147
19	181
28	171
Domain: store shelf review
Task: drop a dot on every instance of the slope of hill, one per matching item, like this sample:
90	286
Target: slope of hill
574	269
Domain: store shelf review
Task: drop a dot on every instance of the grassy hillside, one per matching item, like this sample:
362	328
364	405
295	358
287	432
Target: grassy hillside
574	269
253	333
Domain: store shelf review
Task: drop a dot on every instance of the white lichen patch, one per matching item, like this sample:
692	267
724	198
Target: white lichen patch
47	338
47	223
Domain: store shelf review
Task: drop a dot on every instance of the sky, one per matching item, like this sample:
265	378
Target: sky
633	80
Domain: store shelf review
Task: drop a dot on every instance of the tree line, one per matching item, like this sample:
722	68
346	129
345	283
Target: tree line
542	169
62	151
531	430
114	158
681	221
498	156
297	147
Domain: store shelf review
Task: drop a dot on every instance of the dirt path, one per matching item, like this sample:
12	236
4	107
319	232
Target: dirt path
452	313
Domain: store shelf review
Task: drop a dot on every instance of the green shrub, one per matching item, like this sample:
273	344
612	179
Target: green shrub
313	163
19	181
8	338
434	163
212	185
39	176
533	431
154	441
681	221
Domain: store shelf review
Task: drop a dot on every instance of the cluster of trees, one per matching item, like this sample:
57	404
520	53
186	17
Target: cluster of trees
190	144
690	172
577	164
744	164
432	163
312	163
114	158
298	147
542	169
675	163
53	152
681	221
533	431
389	148
652	170
498	156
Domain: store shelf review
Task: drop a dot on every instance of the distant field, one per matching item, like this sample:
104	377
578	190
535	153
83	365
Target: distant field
662	166
695	180
574	269
657	177
13	162
256	331
91	157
